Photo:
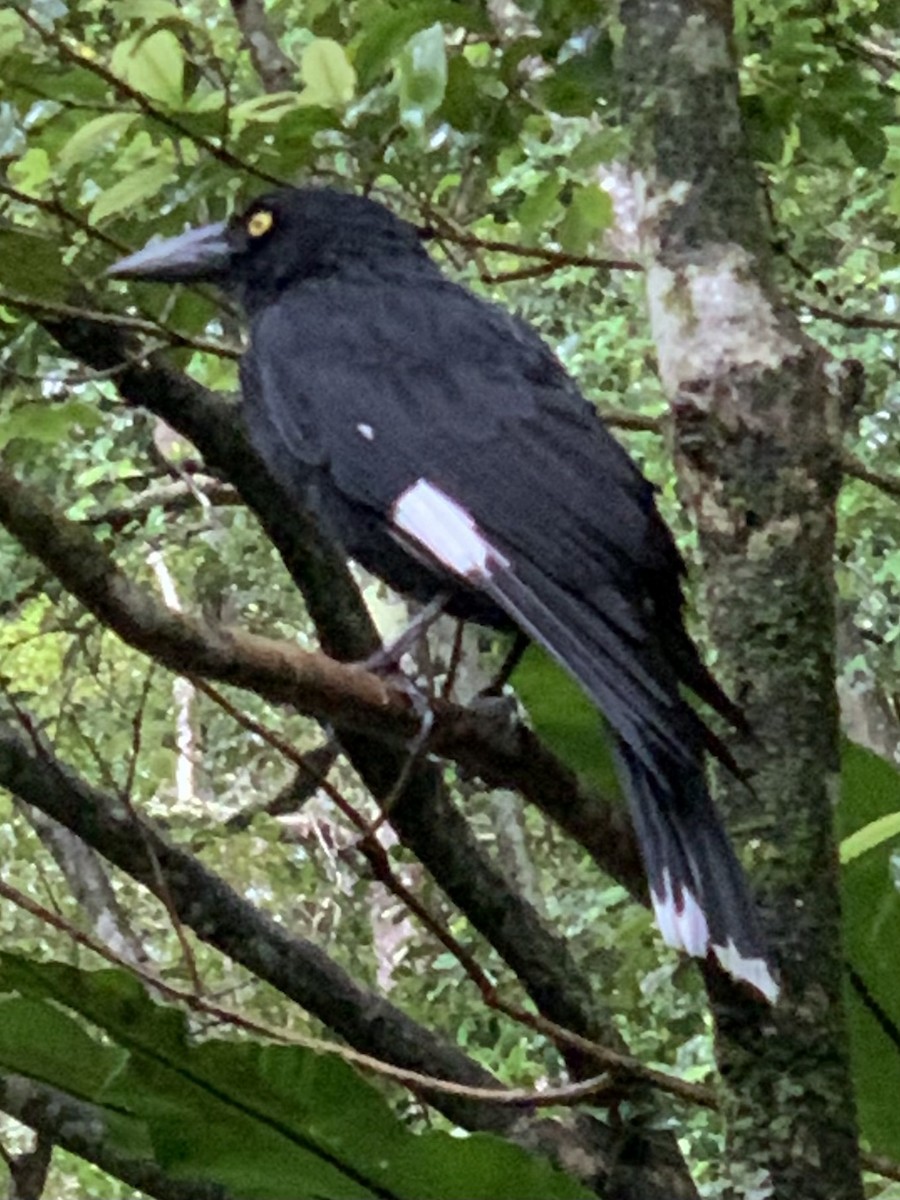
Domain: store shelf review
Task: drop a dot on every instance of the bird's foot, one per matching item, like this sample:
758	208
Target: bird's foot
386	660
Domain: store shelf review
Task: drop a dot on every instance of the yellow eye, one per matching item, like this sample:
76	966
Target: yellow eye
261	222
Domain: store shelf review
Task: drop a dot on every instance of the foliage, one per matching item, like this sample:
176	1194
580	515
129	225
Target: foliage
491	126
254	1118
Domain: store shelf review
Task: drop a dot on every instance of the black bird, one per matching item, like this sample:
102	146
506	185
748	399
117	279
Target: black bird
447	450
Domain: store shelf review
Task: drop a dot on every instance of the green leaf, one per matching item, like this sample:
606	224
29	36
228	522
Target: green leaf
32	170
463	104
41	1042
566	719
576	86
868	145
32	265
132	190
422	75
871	835
47	422
537	209
152	65
870	901
44	1043
293	137
328	75
87	141
389	31
12	32
264	110
262	1120
590	211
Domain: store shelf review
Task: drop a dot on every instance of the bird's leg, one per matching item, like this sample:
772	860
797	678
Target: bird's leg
413	753
455	660
509	664
388	658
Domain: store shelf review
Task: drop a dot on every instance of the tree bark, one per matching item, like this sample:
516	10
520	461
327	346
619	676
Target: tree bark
758	457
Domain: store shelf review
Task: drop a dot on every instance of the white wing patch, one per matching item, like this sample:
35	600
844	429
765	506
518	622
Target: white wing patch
446	530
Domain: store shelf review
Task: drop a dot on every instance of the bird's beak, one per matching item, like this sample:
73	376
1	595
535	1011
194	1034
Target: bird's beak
199	255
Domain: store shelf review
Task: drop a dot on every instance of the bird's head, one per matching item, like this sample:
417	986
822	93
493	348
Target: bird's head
281	239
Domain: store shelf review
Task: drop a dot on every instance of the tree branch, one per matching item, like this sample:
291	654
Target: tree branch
48	310
81	1128
277	72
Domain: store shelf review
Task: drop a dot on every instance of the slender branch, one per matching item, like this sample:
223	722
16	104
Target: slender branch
48	309
849	320
82	1129
554	258
68	52
624	418
175	497
540	271
55	209
889	484
851	466
880	1164
277	72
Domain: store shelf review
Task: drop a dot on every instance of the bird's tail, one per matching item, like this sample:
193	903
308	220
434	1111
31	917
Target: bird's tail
699	892
697	886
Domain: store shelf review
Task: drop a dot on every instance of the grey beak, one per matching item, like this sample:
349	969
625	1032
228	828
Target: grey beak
199	255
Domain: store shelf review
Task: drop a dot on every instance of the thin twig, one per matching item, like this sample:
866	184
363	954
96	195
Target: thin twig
54	208
880	1164
49	38
890	484
48	308
541	271
522	1097
850	320
556	258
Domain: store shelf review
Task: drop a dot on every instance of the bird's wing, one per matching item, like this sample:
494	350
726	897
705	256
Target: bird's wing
428	404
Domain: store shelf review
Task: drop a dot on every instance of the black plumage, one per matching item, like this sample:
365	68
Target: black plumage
444	446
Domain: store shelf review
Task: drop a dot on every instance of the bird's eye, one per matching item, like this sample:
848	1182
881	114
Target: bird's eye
261	222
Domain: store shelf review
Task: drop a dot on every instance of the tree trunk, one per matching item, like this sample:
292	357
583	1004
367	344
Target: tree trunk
757	455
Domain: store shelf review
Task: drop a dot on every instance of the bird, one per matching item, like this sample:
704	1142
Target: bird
441	443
